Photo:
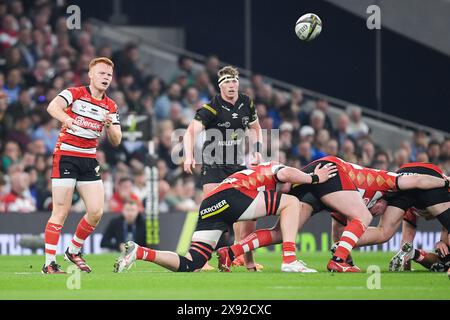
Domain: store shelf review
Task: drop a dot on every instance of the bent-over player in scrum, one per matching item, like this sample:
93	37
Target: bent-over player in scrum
246	195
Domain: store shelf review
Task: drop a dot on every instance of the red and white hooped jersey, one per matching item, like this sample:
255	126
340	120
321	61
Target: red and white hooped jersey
251	181
371	183
89	114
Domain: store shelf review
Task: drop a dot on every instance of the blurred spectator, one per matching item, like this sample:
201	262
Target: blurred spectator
8	32
405	144
22	106
27	50
123	191
164	102
19	133
341	131
332	148
368	153
320	144
322	105
11	155
127	62
182	195
19	199
163	189
206	88
185	69
130	226
307	133
422	156
357	127
212	66
165	148
286	137
3	186
419	144
297	105
48	132
445	151
153	87
305	153
140	185
434	151
191	102
381	160
348	151
317	120
12	87
400	158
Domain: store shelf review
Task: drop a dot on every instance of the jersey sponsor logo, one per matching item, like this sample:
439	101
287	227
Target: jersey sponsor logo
229	143
229	180
407	174
83	108
214	209
224	124
84	123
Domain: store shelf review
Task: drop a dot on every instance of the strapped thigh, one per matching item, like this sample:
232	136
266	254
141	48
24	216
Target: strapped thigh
272	199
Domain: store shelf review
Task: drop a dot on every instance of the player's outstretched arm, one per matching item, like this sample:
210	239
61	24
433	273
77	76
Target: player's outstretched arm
421	181
192	132
295	176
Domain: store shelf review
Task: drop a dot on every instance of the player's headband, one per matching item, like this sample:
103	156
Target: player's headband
227	77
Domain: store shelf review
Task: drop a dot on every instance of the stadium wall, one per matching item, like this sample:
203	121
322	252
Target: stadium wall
176	230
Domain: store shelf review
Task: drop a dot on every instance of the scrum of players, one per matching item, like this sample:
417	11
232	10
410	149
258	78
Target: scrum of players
352	193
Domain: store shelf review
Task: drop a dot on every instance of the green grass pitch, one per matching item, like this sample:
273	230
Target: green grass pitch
20	278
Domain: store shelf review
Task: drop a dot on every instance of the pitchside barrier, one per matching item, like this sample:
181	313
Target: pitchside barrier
175	231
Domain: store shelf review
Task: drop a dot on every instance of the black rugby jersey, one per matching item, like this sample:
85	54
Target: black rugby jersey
225	126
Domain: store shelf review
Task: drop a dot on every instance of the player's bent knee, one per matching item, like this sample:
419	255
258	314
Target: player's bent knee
200	253
290	201
96	215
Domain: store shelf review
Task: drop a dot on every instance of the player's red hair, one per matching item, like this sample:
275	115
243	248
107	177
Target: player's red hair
101	60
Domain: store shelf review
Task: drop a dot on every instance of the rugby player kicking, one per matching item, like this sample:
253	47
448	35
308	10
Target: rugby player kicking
245	195
351	192
83	112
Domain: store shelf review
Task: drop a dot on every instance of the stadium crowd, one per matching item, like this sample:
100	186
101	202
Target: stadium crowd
40	57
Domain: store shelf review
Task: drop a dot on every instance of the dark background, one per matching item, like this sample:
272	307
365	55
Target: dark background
340	63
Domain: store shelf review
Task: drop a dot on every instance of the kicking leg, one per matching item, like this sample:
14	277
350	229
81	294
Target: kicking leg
62	192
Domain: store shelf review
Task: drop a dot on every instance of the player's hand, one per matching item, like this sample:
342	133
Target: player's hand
108	120
68	123
442	249
326	172
257	158
189	165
